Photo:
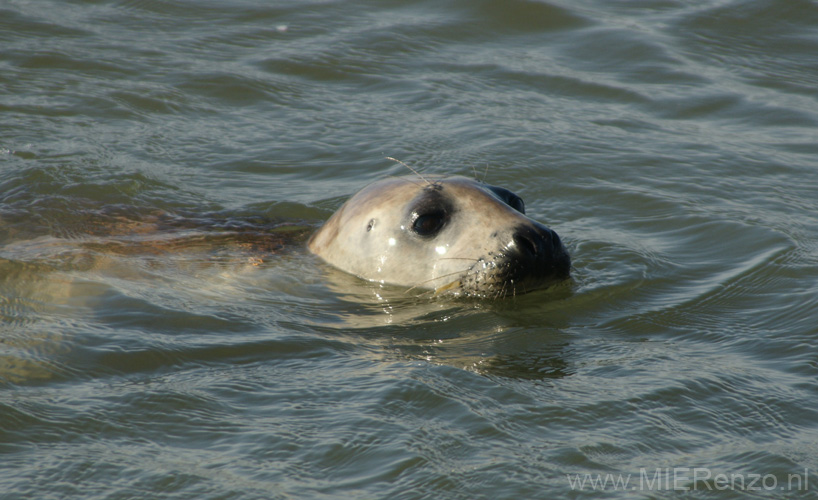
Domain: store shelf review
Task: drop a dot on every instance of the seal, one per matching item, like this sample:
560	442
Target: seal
453	235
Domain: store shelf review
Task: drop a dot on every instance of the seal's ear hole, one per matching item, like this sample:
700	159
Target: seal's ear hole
429	224
370	225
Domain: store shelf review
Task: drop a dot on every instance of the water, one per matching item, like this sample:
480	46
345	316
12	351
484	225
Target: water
164	334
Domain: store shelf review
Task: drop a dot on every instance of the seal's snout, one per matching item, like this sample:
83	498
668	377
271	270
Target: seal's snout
539	251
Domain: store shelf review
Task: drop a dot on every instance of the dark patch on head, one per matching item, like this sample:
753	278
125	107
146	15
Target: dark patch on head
508	198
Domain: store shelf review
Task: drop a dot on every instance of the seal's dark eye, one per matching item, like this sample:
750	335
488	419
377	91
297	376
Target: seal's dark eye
429	224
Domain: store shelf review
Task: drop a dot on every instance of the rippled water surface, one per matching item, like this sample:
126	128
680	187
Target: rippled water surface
165	334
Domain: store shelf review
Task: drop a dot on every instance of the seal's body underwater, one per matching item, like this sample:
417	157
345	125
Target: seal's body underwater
453	235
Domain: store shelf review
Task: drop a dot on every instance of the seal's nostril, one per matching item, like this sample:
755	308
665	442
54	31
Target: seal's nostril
525	244
556	242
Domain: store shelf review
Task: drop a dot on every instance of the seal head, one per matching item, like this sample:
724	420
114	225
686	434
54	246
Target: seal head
454	235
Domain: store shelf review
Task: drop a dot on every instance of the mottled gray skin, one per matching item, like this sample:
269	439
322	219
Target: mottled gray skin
453	235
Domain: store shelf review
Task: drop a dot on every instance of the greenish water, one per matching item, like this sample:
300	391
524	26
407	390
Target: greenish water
164	333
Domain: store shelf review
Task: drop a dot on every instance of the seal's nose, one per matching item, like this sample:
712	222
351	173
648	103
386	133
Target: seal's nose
541	250
530	243
533	240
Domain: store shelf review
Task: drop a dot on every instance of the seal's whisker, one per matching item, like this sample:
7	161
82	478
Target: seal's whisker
436	278
410	168
502	292
406	179
476	175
